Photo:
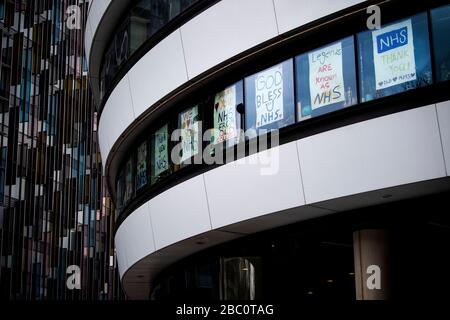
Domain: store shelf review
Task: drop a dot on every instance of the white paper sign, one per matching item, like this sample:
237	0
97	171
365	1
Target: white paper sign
141	168
225	115
189	133
269	96
326	79
128	181
161	151
393	53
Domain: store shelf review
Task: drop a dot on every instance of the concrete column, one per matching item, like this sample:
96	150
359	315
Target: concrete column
372	274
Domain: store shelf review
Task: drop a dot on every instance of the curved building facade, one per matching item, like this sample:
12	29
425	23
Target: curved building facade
274	148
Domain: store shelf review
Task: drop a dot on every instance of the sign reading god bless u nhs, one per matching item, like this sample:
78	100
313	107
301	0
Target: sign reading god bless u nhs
393	53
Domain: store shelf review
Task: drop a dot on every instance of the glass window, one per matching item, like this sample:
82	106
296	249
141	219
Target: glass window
269	98
440	18
116	55
143	20
120	187
160	165
394	58
141	166
129	190
188	122
323	84
2	10
147	17
226	118
240	278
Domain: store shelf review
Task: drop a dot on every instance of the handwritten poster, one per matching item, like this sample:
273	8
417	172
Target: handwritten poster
326	78
141	169
269	96
393	52
189	133
128	181
161	160
225	116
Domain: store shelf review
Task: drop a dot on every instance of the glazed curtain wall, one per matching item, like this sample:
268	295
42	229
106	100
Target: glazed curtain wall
140	23
356	69
53	210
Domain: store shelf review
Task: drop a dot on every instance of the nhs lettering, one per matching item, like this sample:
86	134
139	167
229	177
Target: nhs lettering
392	40
326	77
225	116
393	53
269	96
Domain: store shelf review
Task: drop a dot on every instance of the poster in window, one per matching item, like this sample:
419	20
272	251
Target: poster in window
326	77
161	151
119	191
393	52
128	181
189	133
225	116
141	169
269	96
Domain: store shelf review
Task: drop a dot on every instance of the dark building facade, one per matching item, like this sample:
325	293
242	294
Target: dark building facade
53	212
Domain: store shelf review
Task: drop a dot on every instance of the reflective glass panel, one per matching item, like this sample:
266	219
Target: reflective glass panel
440	19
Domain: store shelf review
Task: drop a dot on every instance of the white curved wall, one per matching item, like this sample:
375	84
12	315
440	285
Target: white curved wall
217	34
97	9
443	110
158	73
395	150
403	154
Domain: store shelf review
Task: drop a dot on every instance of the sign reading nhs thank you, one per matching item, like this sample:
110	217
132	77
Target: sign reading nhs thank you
393	54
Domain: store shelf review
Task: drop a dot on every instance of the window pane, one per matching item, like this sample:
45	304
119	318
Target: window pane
141	168
395	58
160	154
188	122
323	83
141	22
440	18
226	119
147	17
117	54
269	98
120	187
129	192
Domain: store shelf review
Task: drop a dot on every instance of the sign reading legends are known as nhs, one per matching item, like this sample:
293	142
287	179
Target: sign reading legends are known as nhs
326	77
393	53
